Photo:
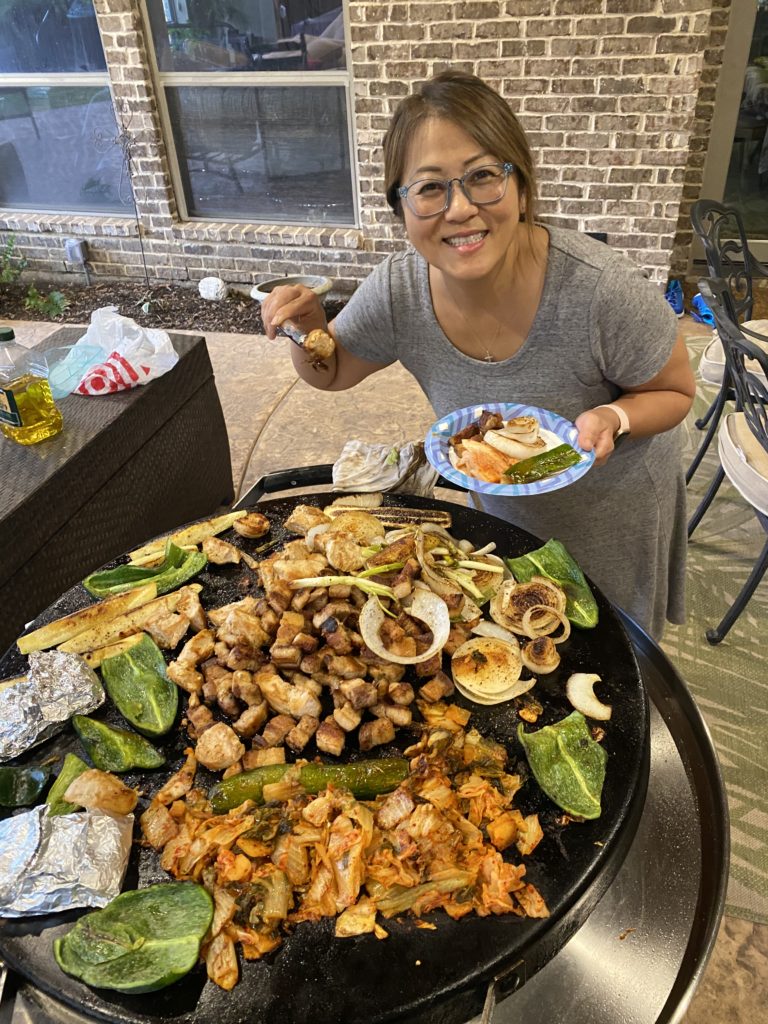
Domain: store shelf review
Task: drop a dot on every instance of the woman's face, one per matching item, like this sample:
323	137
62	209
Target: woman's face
464	242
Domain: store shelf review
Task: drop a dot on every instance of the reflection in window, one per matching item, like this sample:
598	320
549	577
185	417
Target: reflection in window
57	150
48	36
248	35
274	154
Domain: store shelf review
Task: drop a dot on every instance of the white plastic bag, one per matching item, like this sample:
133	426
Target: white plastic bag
136	354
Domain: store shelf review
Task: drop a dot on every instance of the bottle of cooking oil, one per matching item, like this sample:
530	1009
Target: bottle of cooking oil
28	413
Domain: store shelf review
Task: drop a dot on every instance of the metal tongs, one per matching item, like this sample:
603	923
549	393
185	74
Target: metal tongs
317	344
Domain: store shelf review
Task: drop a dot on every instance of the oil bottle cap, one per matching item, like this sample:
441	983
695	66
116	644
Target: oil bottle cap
7	334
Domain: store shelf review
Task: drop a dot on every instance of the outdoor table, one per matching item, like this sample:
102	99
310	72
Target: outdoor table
125	467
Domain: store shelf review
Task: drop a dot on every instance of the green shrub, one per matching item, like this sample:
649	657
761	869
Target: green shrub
52	305
11	267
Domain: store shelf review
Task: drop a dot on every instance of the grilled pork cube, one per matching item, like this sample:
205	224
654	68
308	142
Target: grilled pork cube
339	591
257	758
299	679
389	672
270	619
425	669
312	663
400	551
245	689
240	627
306	643
244	658
277	729
167	628
219	615
401	716
395	808
318	599
374	734
209	692
337	637
251	720
402	585
338	610
401	693
302	732
279	595
285	698
158	826
300	599
397	641
489	421
359	693
291	623
438	687
342	551
234	769
304	517
285	656
220	552
213	671
189	606
221	652
346	665
226	700
200	719
188	679
198	649
347	717
219	747
330	737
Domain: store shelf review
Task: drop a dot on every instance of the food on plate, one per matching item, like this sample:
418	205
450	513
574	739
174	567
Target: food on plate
137	682
176	568
581	693
553	561
514	451
141	941
21	785
115	750
70	769
568	764
89	619
188	537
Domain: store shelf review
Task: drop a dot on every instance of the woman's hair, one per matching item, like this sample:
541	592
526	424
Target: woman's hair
479	111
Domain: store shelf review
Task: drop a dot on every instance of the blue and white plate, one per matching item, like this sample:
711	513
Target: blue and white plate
562	430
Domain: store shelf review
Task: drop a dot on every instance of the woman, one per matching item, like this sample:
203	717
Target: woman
490	306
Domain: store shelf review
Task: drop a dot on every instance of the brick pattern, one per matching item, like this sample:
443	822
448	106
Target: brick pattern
608	91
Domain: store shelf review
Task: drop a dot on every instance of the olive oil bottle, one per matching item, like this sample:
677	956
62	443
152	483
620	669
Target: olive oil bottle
28	413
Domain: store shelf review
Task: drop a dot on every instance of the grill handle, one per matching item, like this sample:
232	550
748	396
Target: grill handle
503	985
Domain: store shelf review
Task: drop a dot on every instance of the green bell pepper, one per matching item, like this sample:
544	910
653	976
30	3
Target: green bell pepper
73	767
115	750
538	466
177	567
136	681
553	561
21	786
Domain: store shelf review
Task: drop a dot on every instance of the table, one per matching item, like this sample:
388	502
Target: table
125	467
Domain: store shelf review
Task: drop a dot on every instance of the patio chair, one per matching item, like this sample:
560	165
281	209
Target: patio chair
726	249
743	435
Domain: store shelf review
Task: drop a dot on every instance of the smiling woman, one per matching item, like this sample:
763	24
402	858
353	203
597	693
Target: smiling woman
490	306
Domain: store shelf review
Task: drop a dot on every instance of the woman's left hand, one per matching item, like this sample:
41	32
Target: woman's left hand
597	429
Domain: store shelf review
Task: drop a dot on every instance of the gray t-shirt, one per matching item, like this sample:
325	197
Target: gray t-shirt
601	327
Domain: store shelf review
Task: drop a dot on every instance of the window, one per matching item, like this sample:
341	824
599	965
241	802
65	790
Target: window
256	97
57	122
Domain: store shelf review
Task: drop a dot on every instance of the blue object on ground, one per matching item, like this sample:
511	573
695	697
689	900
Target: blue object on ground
701	312
674	296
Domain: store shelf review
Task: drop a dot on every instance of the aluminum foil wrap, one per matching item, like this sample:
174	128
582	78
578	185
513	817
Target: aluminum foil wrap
69	860
58	686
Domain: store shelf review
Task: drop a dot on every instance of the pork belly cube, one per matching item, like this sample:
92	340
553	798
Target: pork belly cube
299	679
219	615
459	634
219	747
306	643
345	665
158	826
277	729
374	734
199	719
279	595
339	610
209	692
243	658
394	808
312	663
302	732
220	552
347	717
240	627
291	623
234	769
339	591
213	671
285	656
167	628
401	693
304	517
401	716
318	598
251	720
226	700
189	606
188	679
221	652
359	693
300	599
438	687
343	551
245	689
337	637
257	758
390	672
330	737
425	669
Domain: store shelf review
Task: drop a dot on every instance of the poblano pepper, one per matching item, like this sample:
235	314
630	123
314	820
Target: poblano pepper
140	689
553	561
20	786
538	466
177	567
115	750
73	767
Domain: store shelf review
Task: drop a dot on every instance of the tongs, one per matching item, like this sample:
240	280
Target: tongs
319	345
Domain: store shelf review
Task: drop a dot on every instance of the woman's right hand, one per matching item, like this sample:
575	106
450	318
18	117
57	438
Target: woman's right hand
296	303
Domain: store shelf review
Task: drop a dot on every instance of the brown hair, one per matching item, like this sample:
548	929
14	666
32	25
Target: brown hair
478	110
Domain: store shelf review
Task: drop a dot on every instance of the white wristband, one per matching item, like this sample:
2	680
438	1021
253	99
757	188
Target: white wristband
623	418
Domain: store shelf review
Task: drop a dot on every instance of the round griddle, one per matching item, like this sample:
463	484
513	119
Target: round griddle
416	974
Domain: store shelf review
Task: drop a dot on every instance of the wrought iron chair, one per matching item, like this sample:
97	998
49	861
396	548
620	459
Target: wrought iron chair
729	259
743	434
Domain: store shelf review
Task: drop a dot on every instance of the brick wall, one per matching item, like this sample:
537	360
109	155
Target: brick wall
608	90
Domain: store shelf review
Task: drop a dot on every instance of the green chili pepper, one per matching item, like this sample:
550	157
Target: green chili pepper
177	567
70	770
21	786
539	466
554	562
567	764
365	779
115	750
142	692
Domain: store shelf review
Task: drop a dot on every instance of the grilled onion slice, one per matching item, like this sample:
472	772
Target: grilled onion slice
580	692
540	655
513	600
487	669
425	606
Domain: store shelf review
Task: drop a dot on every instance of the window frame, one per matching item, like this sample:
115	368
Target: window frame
252	79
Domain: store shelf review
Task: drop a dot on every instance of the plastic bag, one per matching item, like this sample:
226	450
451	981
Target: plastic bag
381	467
136	354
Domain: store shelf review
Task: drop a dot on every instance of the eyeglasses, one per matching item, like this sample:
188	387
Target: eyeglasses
428	197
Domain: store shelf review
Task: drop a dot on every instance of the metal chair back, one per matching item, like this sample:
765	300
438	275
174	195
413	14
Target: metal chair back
726	249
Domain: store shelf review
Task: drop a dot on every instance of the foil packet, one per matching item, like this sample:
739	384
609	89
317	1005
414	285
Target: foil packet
58	685
59	863
402	469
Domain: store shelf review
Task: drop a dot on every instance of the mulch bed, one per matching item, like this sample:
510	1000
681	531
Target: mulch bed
171	307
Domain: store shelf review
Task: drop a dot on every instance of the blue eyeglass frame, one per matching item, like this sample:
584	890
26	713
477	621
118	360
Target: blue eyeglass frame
403	190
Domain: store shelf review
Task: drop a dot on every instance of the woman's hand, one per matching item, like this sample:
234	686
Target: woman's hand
296	303
597	429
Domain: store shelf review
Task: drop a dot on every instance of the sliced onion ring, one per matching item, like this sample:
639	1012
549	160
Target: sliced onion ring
486	628
515	690
532	630
542	662
425	606
580	692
